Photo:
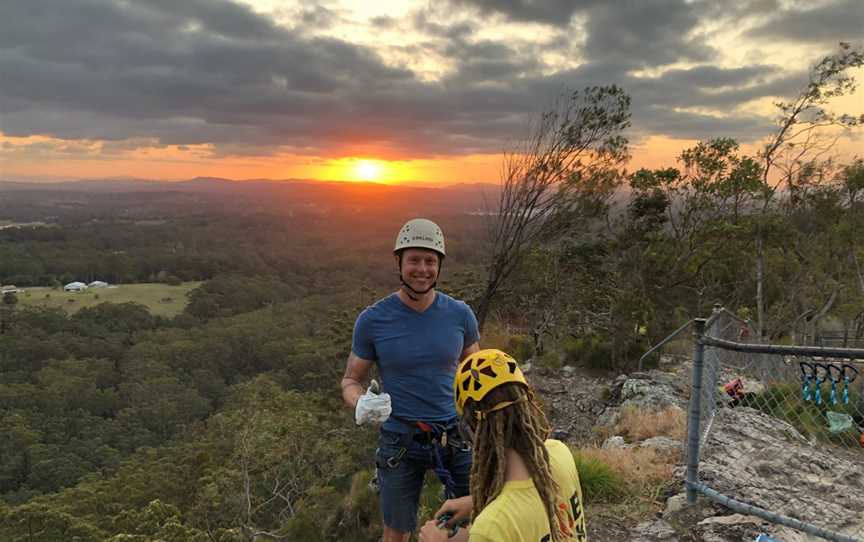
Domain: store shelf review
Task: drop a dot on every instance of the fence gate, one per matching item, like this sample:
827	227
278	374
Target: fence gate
788	413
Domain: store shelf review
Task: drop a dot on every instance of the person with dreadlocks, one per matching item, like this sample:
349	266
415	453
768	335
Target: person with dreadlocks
524	486
416	336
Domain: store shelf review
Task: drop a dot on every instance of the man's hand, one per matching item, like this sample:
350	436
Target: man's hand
372	407
458	510
432	533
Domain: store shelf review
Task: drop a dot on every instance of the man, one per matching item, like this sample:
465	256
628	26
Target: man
416	336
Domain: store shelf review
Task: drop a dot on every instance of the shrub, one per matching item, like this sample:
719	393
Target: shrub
600	484
784	402
590	350
617	475
603	351
520	347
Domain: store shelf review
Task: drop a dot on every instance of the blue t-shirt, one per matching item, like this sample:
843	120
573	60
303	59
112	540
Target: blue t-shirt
416	354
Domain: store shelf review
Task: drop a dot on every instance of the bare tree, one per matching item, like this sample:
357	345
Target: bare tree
556	179
802	138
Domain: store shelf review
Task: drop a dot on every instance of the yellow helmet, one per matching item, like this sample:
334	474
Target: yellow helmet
482	372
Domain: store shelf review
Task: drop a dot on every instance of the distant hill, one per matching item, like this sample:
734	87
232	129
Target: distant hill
88	199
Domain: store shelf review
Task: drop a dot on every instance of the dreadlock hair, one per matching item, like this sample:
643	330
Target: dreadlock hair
522	427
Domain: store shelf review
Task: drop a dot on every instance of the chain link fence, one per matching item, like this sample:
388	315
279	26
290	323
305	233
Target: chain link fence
777	431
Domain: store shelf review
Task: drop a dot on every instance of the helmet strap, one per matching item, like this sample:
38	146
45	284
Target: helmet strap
408	289
482	414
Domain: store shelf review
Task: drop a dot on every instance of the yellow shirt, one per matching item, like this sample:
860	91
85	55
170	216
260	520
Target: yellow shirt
517	514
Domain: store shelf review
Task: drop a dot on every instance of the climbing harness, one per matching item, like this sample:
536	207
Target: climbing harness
440	436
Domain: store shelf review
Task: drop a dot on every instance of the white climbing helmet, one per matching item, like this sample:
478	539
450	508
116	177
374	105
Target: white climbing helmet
420	233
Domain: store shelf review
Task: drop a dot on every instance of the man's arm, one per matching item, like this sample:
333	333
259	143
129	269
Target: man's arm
356	375
470	349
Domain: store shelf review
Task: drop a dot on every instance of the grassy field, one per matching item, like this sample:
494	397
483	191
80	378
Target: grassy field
162	299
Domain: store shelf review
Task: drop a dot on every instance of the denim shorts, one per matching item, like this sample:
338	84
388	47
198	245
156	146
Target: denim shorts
401	478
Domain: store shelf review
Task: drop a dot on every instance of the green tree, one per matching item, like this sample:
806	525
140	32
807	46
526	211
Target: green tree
806	130
557	180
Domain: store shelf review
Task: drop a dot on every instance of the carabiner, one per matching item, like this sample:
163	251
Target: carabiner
808	371
831	369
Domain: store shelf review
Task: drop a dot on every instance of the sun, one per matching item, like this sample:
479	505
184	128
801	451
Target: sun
368	170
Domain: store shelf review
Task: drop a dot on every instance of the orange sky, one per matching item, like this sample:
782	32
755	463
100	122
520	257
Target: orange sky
173	164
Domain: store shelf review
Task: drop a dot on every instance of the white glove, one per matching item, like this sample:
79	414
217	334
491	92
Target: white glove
372	407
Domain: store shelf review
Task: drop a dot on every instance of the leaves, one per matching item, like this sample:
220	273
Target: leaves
557	180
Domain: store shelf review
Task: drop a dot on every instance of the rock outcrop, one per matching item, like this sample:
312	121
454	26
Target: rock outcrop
757	459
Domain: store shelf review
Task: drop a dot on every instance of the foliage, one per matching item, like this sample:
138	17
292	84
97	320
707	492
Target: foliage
125	419
600	482
784	402
557	180
253	467
227	295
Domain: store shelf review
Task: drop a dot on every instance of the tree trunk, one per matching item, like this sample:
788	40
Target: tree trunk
483	305
760	281
858	270
822	312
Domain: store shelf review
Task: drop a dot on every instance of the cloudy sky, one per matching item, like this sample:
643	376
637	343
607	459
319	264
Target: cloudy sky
423	91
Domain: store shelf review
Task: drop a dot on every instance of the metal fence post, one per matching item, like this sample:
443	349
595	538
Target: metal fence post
695	410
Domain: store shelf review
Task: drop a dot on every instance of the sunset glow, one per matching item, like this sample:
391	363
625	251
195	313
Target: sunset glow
368	170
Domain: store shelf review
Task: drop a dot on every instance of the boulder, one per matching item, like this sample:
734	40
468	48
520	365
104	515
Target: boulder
758	459
654	531
662	444
654	390
614	442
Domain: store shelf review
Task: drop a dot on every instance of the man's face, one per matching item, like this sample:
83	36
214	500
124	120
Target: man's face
419	268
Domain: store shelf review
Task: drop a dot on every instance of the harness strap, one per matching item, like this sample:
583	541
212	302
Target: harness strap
437	433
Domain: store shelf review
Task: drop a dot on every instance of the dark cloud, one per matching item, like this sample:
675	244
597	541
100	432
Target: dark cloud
318	17
189	72
555	12
713	77
738	10
668	104
423	21
484	62
839	21
645	33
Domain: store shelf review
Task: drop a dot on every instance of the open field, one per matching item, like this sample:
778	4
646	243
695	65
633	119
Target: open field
161	299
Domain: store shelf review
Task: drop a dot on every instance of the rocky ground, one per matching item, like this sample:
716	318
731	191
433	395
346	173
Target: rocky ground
749	455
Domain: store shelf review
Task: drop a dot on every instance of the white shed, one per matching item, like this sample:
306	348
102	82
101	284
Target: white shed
75	287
